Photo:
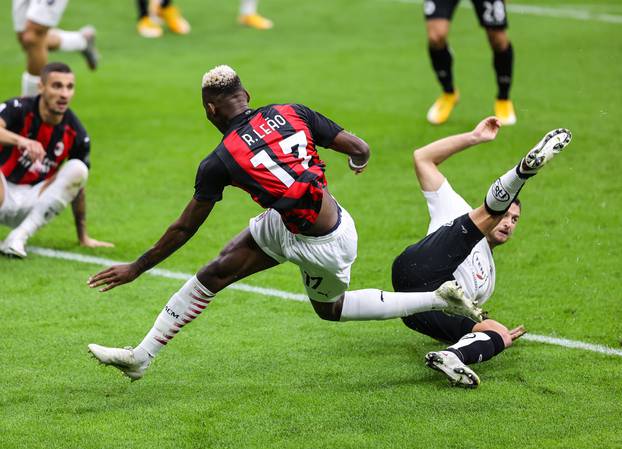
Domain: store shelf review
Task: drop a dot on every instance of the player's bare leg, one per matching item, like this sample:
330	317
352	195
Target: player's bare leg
442	60
239	259
33	41
503	60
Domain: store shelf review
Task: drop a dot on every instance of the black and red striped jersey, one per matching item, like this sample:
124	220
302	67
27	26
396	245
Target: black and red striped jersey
271	153
67	140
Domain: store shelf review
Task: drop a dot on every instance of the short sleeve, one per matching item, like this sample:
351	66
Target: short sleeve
12	112
323	129
444	205
212	178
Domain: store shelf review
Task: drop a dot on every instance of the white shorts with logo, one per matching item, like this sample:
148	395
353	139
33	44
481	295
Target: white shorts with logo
19	200
324	261
43	12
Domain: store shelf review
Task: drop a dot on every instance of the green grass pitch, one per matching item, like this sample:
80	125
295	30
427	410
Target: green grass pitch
261	372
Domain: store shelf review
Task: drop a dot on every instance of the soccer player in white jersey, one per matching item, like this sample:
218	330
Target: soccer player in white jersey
459	246
34	23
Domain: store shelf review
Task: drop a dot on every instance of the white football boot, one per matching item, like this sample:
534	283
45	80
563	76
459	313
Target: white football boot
14	245
550	145
121	358
458	304
457	372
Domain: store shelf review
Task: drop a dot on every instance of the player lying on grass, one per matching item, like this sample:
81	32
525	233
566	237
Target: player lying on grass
270	152
44	161
459	246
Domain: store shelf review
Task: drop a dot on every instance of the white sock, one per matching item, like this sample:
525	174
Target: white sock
69	180
30	84
183	307
248	7
373	304
503	191
70	40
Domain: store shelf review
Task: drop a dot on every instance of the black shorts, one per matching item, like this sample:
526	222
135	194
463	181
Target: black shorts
426	265
490	13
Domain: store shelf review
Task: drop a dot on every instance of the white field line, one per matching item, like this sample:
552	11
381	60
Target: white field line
64	255
543	11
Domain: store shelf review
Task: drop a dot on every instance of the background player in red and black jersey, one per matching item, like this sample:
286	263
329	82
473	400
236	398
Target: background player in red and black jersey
44	161
492	17
270	152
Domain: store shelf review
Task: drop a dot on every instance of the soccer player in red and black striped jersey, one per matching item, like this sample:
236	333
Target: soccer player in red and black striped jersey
44	161
270	152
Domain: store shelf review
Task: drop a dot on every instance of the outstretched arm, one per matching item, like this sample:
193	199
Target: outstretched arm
177	234
356	148
427	158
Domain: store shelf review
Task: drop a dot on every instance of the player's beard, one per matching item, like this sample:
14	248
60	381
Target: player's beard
50	107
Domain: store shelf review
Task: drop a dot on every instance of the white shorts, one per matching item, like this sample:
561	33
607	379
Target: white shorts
444	205
19	200
43	12
324	261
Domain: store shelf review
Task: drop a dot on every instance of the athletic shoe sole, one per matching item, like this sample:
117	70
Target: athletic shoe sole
552	143
460	376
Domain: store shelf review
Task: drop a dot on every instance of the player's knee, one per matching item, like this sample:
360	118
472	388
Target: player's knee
437	40
329	311
498	40
495	326
75	171
32	38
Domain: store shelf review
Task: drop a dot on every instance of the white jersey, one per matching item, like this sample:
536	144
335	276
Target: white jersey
476	274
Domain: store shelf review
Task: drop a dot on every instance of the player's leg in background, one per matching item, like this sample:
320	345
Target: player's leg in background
55	194
33	41
239	259
438	14
492	16
82	40
171	15
251	18
145	25
503	62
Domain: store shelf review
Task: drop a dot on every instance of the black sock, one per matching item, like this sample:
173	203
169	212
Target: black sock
478	347
503	62
441	62
142	9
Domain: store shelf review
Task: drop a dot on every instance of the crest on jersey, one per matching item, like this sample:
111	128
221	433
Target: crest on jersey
59	148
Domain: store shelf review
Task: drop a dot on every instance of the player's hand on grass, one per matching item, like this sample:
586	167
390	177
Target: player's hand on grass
517	332
486	130
89	242
113	277
32	149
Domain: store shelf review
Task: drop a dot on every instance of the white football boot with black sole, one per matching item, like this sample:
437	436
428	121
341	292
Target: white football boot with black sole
550	145
448	363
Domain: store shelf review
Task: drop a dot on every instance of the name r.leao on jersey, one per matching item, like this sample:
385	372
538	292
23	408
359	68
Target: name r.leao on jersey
272	126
